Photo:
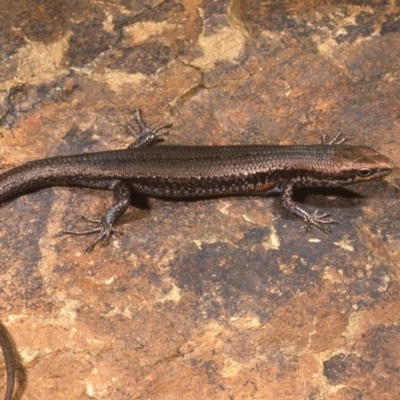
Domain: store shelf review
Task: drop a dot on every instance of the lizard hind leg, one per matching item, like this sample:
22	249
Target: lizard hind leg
105	225
147	136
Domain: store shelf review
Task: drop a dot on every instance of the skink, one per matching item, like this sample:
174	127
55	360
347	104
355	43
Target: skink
199	171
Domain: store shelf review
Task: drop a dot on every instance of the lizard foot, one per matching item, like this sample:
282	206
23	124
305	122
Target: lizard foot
320	220
104	229
146	135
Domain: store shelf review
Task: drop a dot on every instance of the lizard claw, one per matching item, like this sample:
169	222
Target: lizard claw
320	220
337	140
103	228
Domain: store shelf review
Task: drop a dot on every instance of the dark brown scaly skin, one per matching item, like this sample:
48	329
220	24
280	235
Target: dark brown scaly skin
194	171
199	171
6	347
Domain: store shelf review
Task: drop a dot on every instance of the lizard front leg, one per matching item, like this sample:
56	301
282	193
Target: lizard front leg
316	219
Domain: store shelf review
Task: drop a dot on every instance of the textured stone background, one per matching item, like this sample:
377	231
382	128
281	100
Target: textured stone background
219	299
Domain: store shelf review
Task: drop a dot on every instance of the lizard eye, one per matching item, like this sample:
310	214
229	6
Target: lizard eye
364	172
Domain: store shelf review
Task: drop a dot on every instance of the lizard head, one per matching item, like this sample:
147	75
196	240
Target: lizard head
359	164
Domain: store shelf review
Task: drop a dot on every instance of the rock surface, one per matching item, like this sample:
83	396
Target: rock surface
214	299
